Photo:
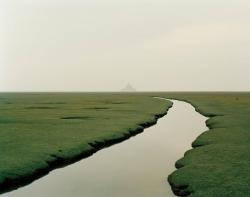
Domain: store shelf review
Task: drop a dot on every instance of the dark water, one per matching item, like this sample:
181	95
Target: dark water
136	167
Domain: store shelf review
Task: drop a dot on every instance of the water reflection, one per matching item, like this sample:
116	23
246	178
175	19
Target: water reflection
136	167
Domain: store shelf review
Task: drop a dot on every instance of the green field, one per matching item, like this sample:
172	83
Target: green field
219	164
42	131
39	132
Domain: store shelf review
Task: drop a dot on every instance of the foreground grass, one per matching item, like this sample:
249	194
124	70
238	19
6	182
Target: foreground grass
39	132
219	164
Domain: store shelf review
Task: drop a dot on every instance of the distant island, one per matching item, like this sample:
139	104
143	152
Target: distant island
128	88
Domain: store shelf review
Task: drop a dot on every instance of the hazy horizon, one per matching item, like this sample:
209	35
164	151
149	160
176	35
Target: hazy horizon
91	46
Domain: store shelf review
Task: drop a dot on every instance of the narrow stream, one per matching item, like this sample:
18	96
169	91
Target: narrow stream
136	167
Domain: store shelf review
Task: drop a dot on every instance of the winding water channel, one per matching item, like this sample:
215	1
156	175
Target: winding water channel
136	167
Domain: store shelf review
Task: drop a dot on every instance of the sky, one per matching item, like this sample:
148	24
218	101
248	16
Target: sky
96	45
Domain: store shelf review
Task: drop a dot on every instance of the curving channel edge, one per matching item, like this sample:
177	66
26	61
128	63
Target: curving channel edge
9	184
183	190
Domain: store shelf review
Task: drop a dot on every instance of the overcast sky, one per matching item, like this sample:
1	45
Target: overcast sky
97	45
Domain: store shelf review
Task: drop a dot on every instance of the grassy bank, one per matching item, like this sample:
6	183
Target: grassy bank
219	164
39	132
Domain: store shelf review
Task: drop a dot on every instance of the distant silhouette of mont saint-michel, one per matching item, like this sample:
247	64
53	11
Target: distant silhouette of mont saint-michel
128	88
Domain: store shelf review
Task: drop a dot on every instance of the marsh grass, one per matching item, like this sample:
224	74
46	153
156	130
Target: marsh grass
42	131
219	163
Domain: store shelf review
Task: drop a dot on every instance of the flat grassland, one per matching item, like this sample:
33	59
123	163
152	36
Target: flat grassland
219	164
42	131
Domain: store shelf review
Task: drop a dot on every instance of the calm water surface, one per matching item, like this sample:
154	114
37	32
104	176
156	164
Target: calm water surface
136	167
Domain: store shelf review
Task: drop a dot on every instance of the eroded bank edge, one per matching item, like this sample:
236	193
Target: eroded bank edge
184	190
9	184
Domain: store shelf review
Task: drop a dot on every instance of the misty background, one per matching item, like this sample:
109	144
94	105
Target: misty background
96	45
